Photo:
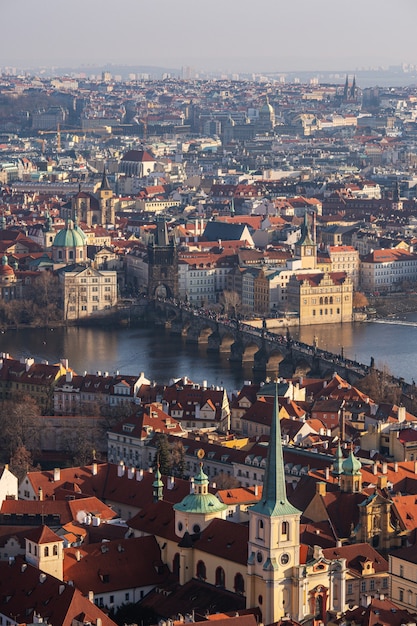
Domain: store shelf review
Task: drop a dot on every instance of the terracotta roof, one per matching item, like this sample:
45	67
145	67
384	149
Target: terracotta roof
24	591
225	540
115	565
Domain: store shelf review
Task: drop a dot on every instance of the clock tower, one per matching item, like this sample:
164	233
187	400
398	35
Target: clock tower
274	539
306	248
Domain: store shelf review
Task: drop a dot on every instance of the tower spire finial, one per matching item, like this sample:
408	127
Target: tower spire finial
274	500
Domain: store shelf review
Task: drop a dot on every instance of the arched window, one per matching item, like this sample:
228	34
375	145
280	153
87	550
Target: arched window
30	548
55	551
318	609
321	300
46	551
285	529
326	300
35	550
220	577
261	530
176	565
201	570
239	584
331	300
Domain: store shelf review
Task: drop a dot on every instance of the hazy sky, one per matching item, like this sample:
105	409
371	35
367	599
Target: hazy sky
244	35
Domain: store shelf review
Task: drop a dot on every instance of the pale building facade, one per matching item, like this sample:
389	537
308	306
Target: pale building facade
88	291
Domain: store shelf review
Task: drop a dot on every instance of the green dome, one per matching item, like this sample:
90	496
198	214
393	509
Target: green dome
201	501
70	237
351	465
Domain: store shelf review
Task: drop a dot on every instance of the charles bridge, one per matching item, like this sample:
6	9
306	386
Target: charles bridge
269	351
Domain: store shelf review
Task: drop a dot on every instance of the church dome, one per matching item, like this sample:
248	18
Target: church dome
69	237
6	271
266	108
351	465
201	501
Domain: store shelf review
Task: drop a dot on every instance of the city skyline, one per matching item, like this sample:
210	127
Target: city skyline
293	36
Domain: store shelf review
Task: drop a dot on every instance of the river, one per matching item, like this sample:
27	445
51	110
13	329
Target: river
162	357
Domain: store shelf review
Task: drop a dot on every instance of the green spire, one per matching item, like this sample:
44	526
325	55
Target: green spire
274	495
306	238
338	461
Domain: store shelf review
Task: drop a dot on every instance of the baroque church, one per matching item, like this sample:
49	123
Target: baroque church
95	209
265	560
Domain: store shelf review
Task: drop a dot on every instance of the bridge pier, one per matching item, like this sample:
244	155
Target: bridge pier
176	327
236	351
214	342
260	360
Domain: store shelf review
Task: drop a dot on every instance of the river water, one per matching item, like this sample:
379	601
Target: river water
162	356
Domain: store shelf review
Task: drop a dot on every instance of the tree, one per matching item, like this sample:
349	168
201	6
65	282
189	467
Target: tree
231	301
178	459
163	454
360	301
224	481
19	425
21	462
380	386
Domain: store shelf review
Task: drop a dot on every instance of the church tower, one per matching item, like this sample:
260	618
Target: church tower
305	248
162	264
274	538
106	201
351	476
44	550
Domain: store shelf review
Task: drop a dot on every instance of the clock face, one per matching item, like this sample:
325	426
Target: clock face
285	558
309	251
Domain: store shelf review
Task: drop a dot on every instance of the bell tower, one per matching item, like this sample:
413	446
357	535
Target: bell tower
306	248
274	538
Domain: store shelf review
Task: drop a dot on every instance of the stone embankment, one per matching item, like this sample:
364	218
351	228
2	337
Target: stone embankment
394	304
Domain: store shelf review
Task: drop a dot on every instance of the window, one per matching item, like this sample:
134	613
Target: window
285	527
239	584
46	551
220	577
261	530
401	595
201	570
349	589
363	585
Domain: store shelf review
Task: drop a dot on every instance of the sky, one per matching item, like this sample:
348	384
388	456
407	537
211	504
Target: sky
227	35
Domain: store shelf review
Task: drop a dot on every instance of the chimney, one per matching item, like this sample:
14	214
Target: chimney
40	494
327	472
375	468
395	466
171	482
130	472
68	376
64	363
382	482
256	490
57	474
94	469
321	488
139	474
78	555
415	467
401	414
121	469
91	596
384	467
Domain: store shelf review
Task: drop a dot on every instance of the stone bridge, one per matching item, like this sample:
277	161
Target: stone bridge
244	343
